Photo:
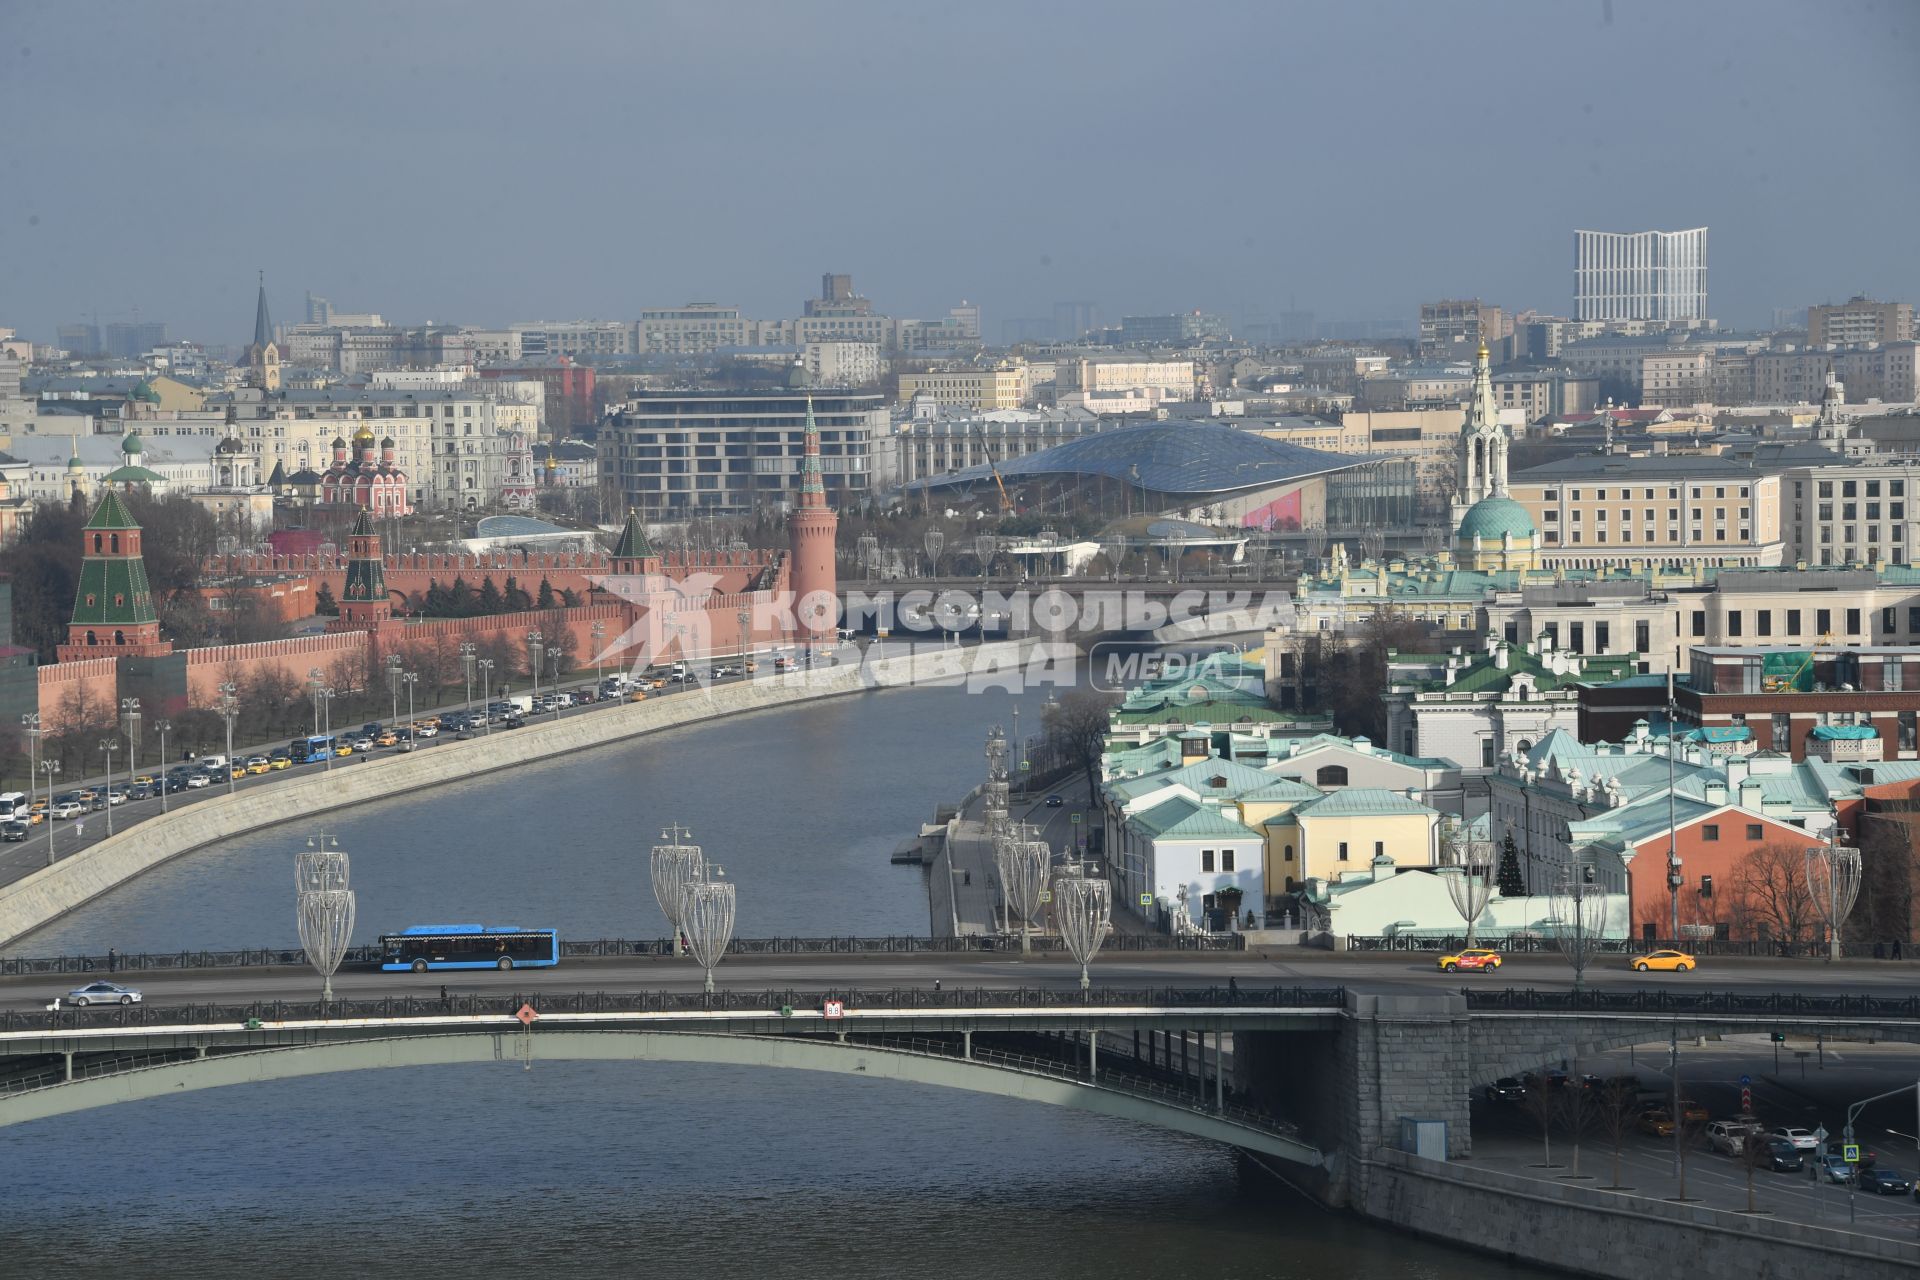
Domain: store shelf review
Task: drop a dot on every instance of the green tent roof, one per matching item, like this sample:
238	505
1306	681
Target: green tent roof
633	544
112	514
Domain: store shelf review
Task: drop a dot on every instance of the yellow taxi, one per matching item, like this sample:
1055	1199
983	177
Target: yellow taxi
343	749
387	738
237	771
637	695
1472	958
144	780
279	760
1667	961
258	765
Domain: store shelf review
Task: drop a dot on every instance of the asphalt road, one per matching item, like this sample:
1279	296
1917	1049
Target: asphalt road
1288	967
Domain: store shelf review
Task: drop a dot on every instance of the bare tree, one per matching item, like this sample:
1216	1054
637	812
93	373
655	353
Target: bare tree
1579	1113
1617	1108
1542	1106
1076	731
1770	890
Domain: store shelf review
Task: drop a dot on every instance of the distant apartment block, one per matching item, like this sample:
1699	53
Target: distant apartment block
1097	375
1640	275
1454	329
1858	321
696	328
976	389
1180	330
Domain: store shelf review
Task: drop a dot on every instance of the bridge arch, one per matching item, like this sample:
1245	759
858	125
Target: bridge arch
259	1066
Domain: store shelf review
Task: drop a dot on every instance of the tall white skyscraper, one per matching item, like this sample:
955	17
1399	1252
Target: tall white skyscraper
1640	275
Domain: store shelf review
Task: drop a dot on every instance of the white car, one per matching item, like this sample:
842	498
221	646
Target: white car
69	809
197	780
426	731
116	796
1802	1139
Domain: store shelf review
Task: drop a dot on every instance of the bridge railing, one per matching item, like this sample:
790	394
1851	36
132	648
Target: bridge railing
854	999
1682	1003
1770	948
368	955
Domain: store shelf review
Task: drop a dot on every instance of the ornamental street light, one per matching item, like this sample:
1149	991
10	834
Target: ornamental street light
536	647
30	726
107	745
597	633
708	921
553	683
869	556
984	547
130	719
325	695
409	679
315	682
1473	886
229	709
486	691
160	780
1081	909
323	908
466	666
393	682
51	770
935	541
1026	880
1833	882
1579	919
677	863
745	618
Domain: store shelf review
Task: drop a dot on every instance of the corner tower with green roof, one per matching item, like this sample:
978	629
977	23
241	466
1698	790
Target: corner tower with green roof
113	612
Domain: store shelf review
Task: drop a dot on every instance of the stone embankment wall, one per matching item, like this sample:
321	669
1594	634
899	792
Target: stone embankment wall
34	900
1590	1232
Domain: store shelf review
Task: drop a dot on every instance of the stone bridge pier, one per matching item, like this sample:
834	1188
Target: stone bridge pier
1389	1057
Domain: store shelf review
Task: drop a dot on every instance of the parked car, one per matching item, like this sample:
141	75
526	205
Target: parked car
13	831
1779	1155
1506	1089
1473	958
103	993
1802	1139
1669	961
1885	1180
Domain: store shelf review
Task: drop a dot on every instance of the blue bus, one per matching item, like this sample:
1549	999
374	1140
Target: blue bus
469	946
316	747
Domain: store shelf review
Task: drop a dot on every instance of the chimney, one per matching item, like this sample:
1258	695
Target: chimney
1501	658
1716	792
1363	745
1750	795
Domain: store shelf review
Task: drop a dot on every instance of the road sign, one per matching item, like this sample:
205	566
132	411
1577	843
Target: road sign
1076	819
834	1009
1850	1153
1746	1101
527	1014
1046	895
1745	1081
1146	899
1026	764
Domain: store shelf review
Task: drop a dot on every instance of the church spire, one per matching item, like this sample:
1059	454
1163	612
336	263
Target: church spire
262	322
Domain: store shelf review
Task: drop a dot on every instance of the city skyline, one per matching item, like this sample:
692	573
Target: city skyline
252	139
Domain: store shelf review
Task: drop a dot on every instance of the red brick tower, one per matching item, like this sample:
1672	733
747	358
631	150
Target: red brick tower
364	604
810	531
113	613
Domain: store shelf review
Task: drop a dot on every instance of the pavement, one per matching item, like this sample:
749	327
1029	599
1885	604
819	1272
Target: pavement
963	891
1506	1137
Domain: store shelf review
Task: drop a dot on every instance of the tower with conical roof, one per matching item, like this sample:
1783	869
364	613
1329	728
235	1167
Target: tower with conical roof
633	555
1483	442
263	353
113	614
810	535
363	597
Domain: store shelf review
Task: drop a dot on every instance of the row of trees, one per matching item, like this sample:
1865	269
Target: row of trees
460	600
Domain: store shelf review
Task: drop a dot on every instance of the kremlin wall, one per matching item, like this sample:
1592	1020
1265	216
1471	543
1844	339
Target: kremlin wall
647	608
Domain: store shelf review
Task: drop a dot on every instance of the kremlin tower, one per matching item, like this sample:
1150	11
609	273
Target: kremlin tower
810	533
363	597
113	613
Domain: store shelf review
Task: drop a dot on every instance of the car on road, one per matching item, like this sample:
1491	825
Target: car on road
1802	1139
69	809
1778	1155
1729	1137
1473	958
1834	1168
1692	1112
363	745
1657	1123
1054	802
405	745
1665	961
238	771
343	748
102	993
281	759
386	739
117	796
425	729
1507	1089
198	780
143	790
1885	1180
13	831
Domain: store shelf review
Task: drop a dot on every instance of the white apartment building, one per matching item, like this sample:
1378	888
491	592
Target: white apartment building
575	338
1640	275
844	364
1099	375
978	389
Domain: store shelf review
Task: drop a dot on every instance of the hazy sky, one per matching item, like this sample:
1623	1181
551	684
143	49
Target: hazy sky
488	162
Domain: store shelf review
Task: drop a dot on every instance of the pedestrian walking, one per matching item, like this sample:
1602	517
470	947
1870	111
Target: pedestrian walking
936	986
113	960
1896	948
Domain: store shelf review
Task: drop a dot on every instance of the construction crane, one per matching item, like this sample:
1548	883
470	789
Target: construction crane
1789	683
1006	503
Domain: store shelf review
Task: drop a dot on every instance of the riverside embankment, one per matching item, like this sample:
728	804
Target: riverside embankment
35	900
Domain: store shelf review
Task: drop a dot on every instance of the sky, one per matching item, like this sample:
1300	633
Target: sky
485	162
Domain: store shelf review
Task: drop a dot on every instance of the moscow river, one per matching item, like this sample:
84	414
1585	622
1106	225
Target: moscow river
622	1168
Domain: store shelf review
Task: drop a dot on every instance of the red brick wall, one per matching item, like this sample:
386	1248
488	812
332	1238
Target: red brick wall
89	686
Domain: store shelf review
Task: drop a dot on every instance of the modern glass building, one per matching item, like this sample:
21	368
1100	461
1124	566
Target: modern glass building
1640	275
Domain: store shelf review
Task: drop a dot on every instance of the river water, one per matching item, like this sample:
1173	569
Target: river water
615	1169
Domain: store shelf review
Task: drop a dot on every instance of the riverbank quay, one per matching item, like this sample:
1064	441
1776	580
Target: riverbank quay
44	895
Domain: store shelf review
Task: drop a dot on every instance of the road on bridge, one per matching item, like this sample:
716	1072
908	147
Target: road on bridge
1387	973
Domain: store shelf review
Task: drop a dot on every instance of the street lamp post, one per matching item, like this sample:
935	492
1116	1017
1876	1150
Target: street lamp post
160	778
393	681
30	725
314	684
130	715
325	694
466	665
409	678
537	648
553	682
745	618
486	691
1833	882
107	745
51	768
229	710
